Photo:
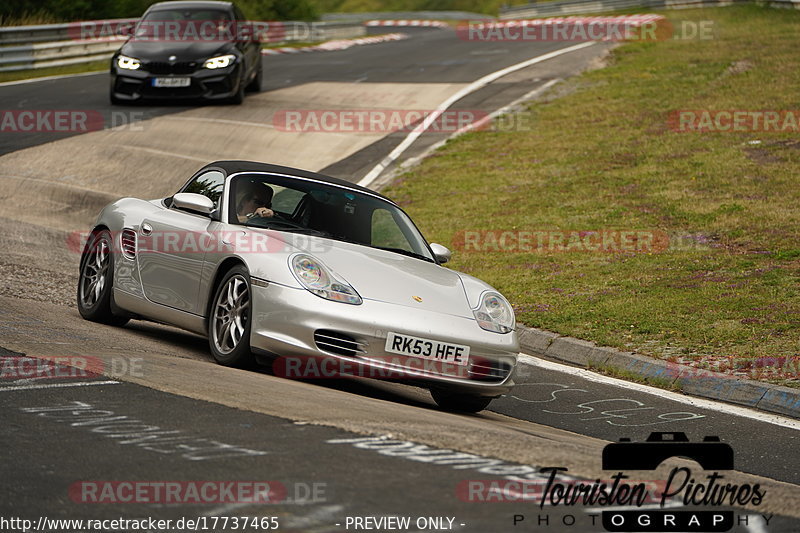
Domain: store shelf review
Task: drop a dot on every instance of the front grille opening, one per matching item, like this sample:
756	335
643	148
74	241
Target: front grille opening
338	343
486	370
162	67
128	239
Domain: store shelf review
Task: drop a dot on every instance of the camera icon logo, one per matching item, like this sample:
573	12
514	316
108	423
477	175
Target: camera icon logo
711	453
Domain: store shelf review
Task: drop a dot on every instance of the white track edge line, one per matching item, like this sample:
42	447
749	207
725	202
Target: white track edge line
48	78
376	171
58	385
694	401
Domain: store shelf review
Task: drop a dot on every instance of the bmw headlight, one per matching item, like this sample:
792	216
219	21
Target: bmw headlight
322	281
128	63
494	313
219	61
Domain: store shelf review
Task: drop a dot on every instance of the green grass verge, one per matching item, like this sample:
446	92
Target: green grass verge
621	373
54	71
602	157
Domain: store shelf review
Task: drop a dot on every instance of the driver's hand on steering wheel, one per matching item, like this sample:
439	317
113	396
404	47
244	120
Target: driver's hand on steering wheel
264	212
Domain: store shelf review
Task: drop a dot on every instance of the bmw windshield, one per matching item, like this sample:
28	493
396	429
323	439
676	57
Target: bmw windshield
183	24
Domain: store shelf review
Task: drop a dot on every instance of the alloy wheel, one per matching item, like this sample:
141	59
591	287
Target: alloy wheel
231	312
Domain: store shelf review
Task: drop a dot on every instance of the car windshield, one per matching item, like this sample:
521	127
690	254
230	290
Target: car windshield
314	208
172	24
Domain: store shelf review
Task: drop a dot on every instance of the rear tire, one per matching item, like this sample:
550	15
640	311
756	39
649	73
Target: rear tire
230	318
460	403
96	280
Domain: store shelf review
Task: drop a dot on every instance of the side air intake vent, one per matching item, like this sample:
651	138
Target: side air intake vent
129	243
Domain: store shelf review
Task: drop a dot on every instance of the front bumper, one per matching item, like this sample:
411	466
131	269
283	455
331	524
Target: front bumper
134	85
295	324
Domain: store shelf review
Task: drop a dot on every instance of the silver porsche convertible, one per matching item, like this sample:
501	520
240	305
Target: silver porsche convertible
315	274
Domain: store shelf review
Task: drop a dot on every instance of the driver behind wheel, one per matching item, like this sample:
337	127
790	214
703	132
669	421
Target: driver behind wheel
255	200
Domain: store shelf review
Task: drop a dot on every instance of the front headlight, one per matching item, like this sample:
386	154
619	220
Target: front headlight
128	63
322	281
494	313
219	61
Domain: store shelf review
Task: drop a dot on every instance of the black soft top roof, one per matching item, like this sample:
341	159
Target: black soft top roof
232	167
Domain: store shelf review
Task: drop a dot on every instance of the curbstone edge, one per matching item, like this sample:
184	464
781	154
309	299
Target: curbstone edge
705	384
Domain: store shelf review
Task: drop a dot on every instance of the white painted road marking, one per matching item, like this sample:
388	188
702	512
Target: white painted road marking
129	430
376	171
505	109
700	403
258	496
649	418
48	78
58	385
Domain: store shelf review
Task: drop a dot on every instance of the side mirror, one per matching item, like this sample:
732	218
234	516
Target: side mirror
441	253
193	202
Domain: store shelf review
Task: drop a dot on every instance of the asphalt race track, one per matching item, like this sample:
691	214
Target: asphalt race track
324	456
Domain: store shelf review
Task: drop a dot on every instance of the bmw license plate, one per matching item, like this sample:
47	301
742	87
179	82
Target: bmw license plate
427	349
171	82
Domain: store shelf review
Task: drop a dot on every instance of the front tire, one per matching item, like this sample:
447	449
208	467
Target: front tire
255	84
238	97
230	318
96	280
460	403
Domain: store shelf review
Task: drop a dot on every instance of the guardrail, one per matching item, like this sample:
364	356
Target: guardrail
42	33
323	31
42	55
406	15
573	7
53	45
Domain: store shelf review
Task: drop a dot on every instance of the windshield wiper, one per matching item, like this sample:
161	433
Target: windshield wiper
309	231
405	252
289	227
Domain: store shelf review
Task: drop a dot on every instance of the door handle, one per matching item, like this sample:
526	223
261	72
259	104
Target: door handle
229	242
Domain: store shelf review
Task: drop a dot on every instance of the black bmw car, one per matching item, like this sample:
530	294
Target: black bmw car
188	50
